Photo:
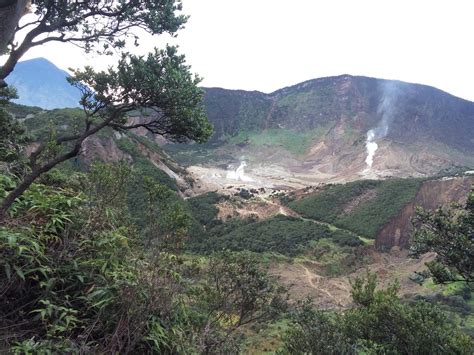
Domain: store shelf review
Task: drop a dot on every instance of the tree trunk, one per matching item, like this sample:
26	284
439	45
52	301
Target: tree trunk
36	173
10	13
17	192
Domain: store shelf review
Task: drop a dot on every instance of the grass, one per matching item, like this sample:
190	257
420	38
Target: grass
297	143
335	259
453	300
267	339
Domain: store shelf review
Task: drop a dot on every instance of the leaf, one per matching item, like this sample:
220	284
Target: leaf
19	272
8	270
12	240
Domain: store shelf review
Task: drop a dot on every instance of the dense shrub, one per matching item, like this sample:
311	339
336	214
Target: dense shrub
76	278
365	217
378	324
281	234
203	208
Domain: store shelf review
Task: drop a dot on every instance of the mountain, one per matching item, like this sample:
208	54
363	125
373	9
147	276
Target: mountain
359	102
315	131
318	130
40	83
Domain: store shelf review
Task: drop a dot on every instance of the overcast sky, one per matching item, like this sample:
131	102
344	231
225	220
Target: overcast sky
269	44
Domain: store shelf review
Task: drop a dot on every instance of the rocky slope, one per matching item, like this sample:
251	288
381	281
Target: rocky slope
136	147
431	195
316	131
411	112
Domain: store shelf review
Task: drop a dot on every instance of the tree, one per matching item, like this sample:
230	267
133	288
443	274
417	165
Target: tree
379	323
449	232
160	82
10	13
236	291
12	135
101	25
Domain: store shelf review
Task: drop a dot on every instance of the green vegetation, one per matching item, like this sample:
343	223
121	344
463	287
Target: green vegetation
449	232
336	259
22	111
204	210
77	277
294	142
93	260
380	323
362	207
160	80
195	154
281	234
143	164
234	111
12	139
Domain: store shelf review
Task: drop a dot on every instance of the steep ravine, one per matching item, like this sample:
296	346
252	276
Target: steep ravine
431	195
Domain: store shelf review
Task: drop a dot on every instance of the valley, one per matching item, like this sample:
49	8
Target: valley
298	192
145	209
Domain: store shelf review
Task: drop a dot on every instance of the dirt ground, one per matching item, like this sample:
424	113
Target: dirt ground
305	279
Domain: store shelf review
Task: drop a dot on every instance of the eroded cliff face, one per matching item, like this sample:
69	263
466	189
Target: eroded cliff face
106	150
430	196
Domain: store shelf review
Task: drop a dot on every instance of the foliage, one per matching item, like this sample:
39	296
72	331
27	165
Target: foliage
378	324
12	135
204	210
22	111
449	232
315	332
12	140
65	121
234	111
362	207
101	25
76	276
144	166
337	259
236	291
160	82
282	234
69	267
166	222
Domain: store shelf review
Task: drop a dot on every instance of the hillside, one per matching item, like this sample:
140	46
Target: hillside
142	213
316	240
318	131
412	111
315	131
108	146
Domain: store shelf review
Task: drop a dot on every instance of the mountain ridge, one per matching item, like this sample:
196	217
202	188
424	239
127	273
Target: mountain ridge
320	127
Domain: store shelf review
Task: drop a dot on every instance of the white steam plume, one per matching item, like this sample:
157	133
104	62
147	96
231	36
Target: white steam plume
386	109
239	174
371	147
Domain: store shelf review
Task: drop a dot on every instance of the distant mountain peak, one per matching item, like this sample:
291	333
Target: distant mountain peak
41	83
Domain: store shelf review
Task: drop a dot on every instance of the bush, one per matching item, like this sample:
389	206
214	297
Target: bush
378	324
383	200
76	278
281	234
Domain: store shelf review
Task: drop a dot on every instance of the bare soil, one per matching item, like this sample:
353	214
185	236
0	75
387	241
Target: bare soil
306	279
